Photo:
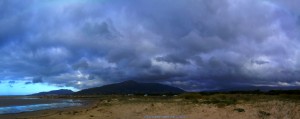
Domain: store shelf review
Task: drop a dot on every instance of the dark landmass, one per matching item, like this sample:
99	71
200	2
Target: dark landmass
136	88
260	88
54	92
131	87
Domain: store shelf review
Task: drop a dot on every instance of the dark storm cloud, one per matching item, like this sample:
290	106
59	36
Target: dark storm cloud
37	80
195	45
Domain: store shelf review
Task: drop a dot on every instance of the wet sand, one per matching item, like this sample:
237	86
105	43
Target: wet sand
175	108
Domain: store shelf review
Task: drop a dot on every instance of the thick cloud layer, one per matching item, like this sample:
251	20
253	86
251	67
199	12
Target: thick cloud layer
192	44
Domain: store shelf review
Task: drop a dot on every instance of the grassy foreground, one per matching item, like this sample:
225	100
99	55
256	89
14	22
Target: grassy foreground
188	105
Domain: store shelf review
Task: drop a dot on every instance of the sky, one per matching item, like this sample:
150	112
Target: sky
195	45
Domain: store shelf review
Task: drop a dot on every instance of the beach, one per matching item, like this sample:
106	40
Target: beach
142	108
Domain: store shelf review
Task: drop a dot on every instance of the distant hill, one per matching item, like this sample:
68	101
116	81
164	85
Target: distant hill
253	88
132	87
54	92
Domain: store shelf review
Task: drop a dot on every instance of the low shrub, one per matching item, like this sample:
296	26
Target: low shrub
239	109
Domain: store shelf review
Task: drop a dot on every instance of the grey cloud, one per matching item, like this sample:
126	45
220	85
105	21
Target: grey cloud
82	64
260	62
37	80
173	59
12	82
195	45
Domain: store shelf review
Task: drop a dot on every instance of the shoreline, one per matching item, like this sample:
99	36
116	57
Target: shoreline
48	112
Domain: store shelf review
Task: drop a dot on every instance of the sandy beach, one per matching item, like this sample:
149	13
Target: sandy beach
136	108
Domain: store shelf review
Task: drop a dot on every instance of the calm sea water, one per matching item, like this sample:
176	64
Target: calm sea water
24	104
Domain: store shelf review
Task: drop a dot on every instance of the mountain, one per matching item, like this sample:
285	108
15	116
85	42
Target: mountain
131	87
54	92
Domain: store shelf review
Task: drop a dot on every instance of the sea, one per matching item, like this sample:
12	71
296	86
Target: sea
11	105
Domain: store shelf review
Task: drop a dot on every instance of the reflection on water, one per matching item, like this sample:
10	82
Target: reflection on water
35	107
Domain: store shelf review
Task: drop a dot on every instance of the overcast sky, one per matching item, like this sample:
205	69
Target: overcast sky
192	44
